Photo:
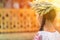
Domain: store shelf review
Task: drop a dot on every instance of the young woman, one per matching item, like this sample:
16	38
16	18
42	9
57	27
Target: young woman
47	28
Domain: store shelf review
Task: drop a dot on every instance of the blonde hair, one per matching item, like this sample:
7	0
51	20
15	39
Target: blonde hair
46	10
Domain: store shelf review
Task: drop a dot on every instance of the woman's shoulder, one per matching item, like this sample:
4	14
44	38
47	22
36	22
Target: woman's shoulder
44	33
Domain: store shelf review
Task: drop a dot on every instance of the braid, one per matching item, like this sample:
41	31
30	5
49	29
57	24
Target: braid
46	10
43	23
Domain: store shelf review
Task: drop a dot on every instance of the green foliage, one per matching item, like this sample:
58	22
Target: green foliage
2	3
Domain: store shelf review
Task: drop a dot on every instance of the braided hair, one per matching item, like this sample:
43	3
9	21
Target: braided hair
46	10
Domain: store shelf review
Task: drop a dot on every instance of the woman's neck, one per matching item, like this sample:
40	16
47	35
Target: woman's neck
49	26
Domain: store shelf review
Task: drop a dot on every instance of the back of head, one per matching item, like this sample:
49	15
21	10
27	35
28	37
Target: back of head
46	10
